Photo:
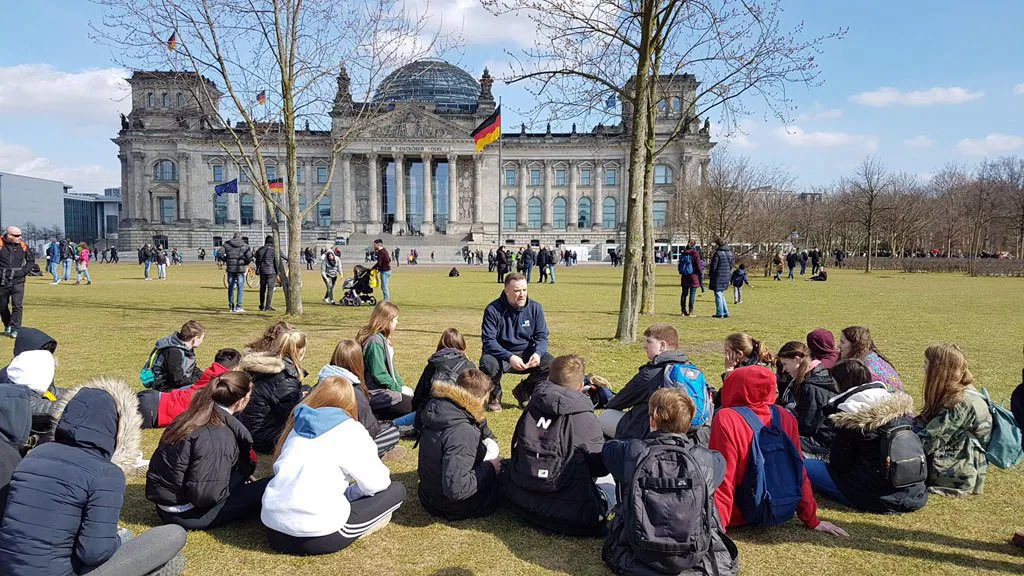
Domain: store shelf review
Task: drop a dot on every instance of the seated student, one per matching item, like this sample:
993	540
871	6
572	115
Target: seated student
557	493
390	398
329	487
347	362
856	342
453	273
821	276
78	482
822	345
741	350
458	466
158	409
661	343
15	428
34	369
955	424
863	416
445	365
173	360
754	388
809	391
1017	402
662	516
266	340
200	475
277	387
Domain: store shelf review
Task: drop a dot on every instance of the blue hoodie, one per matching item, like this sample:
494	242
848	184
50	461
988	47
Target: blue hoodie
314	422
509	331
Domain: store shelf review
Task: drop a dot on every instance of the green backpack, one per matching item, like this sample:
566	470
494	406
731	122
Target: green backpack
146	375
1004	448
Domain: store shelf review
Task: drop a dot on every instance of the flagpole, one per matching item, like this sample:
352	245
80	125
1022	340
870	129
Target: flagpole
501	168
238	205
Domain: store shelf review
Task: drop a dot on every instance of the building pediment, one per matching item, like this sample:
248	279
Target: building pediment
165	188
412	122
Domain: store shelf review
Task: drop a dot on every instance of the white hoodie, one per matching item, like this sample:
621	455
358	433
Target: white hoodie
32	368
325	452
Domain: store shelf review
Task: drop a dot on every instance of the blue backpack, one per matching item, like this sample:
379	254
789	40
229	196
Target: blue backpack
685	265
1004	447
773	485
692	380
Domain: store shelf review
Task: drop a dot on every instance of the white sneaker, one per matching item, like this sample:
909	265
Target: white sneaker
240	310
54	283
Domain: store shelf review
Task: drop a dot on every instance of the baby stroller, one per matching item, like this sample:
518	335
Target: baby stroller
358	290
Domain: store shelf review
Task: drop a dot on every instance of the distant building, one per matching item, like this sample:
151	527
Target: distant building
92	218
33	204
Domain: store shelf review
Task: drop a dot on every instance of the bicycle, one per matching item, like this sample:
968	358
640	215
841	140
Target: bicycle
251	278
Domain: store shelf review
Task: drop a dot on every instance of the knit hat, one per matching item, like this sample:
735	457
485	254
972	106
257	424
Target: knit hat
33	368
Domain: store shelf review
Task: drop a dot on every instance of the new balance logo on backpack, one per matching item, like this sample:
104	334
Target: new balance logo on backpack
543	422
541	453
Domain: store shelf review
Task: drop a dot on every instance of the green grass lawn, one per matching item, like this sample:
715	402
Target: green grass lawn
109	328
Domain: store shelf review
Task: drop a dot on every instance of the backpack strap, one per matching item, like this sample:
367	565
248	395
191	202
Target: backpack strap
751	418
776	416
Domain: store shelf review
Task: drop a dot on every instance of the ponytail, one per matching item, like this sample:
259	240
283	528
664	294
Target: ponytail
224	390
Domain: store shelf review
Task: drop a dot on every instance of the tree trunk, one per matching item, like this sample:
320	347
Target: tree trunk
293	283
647	302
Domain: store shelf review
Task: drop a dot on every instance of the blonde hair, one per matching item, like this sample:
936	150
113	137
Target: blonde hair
748	346
568	371
288	345
945	378
380	322
333	392
672	410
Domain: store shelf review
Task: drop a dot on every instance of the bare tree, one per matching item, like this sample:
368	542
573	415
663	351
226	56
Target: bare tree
290	51
946	189
1008	172
906	215
865	197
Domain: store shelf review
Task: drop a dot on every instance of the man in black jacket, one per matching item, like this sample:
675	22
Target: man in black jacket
266	266
15	263
236	255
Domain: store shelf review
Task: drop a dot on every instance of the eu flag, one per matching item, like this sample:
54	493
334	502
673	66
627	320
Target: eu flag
227	187
610	102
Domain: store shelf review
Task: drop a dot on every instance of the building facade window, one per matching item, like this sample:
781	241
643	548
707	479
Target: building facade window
302	204
298	174
151	100
586	213
585	177
662	108
509	213
510	177
534	213
558	220
609	218
611	177
181	99
243	176
559	177
321	174
659	209
677	105
167	210
535	177
165	171
245	209
167	100
218	172
662	174
220	209
323	211
271	172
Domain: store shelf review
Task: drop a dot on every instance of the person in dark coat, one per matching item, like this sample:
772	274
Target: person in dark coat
515	339
16	261
458	465
791	261
529	260
266	267
860	415
807	396
277	388
36	372
815	260
200	474
15	428
803	262
446	364
236	255
719	273
503	262
578	508
690	282
174	365
65	497
1017	402
542	264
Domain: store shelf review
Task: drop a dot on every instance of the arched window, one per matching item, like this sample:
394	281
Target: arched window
586	213
558	213
165	171
220	209
533	212
508	213
677	105
151	100
245	209
662	174
323	211
609	218
181	99
662	107
167	100
302	204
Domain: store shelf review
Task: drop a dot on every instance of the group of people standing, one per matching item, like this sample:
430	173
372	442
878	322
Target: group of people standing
525	260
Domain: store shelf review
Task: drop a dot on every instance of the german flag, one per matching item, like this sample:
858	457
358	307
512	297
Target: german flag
488	132
172	42
277	185
261	98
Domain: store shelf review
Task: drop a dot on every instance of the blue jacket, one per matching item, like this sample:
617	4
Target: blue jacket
507	331
720	269
65	496
739	278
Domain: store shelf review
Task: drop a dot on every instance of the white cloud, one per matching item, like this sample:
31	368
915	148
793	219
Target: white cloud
887	96
990	145
18	159
87	97
919	142
819	113
1019	89
796	137
738	137
468	20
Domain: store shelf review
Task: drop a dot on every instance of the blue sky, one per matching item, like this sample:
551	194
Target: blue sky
920	84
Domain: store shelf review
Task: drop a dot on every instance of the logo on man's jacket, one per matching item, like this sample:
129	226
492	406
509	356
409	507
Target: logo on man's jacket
526	323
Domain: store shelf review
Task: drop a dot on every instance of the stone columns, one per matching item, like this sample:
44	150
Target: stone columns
598	216
453	192
142	201
346	191
524	199
478	198
185	200
704	163
428	191
374	199
548	209
400	223
572	213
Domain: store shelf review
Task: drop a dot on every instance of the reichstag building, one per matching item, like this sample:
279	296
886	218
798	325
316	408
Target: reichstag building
411	169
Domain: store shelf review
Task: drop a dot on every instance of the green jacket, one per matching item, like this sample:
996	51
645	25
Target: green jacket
954	442
379	370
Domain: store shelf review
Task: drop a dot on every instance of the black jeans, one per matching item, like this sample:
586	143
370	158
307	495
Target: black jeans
366	514
495	369
244	501
689	293
11	296
267	283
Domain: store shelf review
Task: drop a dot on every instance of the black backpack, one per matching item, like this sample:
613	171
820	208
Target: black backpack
449	373
903	461
541	452
667	510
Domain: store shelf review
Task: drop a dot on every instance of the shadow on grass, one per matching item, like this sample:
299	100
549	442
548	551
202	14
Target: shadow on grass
459	571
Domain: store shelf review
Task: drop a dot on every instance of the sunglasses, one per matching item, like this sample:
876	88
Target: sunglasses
15	235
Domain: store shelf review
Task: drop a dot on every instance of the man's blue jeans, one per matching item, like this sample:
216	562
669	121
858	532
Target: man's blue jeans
526	272
52	269
236	290
721	309
385	284
821	480
67	270
551	273
148	264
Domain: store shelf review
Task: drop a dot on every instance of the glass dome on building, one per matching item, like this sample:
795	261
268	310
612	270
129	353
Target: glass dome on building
430	80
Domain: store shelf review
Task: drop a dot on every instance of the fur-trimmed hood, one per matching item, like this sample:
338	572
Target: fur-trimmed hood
262	363
460	398
83	420
869	408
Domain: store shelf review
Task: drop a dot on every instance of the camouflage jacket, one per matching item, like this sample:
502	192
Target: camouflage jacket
955	441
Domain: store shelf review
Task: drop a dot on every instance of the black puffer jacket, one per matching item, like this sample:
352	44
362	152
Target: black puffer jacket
447	361
455	481
856	459
15	261
45	406
578	508
720	269
266	259
198	469
15	427
809	405
636	395
276	389
237	255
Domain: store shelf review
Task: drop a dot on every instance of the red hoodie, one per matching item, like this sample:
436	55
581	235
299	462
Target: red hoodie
175	402
752	386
